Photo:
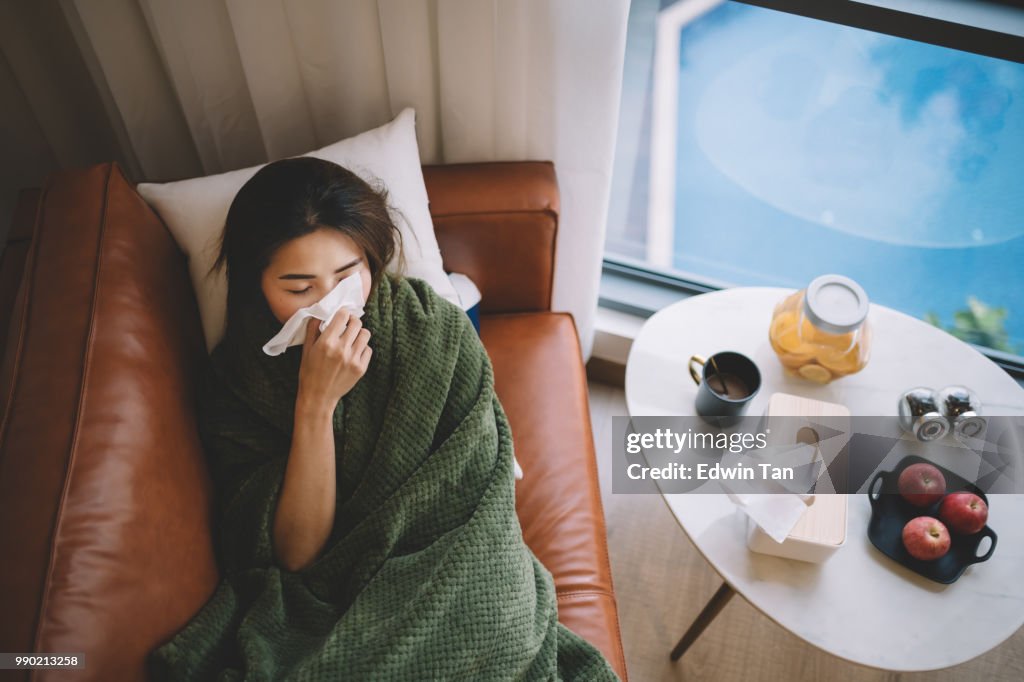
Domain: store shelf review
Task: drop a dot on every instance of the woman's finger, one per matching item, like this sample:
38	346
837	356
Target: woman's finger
337	323
362	338
351	331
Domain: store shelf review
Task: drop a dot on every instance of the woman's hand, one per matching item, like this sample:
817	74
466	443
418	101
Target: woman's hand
332	361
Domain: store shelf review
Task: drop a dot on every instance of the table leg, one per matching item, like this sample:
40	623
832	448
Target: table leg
716	604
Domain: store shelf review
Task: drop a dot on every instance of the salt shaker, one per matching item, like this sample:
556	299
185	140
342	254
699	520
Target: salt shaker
920	414
962	409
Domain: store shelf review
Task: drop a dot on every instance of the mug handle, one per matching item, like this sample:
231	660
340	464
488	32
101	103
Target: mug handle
693	373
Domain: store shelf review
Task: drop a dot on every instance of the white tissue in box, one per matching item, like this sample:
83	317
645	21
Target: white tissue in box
821	529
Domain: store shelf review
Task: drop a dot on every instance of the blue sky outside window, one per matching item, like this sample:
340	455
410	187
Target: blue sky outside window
806	147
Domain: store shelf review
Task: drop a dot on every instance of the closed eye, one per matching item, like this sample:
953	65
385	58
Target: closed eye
300	292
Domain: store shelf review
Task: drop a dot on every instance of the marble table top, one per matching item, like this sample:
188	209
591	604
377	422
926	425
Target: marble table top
858	605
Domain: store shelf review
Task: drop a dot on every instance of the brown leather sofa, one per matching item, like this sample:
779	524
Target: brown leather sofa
105	502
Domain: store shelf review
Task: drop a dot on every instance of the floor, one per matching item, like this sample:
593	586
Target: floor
662	582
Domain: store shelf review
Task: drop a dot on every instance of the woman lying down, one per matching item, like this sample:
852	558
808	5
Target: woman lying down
366	513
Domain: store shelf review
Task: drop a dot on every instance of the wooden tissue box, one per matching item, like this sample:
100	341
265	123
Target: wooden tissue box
822	528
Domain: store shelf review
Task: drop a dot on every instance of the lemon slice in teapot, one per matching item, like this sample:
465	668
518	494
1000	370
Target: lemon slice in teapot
815	373
784	332
846	362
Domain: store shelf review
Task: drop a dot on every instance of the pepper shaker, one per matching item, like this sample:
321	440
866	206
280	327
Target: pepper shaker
920	414
962	409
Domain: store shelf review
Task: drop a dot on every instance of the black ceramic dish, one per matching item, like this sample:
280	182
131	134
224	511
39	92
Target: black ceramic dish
890	512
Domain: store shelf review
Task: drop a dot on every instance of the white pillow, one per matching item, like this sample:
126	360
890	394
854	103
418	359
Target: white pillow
195	210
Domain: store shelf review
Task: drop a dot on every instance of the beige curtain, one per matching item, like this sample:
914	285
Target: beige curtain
179	88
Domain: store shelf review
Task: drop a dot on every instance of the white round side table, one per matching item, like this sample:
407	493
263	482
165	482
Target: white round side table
858	605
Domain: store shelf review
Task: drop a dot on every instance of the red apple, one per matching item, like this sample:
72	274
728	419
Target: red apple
921	484
964	512
925	538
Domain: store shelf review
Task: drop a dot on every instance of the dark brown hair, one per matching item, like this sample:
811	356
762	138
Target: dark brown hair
291	198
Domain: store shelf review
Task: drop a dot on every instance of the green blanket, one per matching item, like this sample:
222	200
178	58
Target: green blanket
425	575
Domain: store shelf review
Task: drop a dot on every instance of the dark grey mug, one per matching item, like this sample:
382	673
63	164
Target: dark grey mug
726	384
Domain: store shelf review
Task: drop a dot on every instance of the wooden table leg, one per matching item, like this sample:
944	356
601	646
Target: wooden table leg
716	604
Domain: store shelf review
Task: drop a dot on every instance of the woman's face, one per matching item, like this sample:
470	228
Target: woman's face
305	269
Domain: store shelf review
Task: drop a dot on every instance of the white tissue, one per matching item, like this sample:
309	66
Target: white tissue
348	294
775	513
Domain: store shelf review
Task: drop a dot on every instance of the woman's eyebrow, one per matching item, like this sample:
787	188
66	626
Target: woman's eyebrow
343	267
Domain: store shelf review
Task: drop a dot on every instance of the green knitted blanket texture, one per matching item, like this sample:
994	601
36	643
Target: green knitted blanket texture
425	575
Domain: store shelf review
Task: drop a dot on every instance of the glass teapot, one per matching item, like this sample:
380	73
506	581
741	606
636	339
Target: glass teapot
822	332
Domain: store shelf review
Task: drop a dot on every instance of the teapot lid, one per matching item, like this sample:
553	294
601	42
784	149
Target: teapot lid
835	304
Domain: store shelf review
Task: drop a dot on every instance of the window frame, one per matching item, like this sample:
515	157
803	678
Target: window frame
635	287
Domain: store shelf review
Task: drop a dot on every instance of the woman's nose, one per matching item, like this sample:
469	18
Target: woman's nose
324	287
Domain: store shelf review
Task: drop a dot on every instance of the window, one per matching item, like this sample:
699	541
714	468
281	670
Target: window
763	147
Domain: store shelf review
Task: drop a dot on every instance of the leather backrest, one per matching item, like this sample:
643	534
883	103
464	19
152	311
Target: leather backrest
104	495
497	223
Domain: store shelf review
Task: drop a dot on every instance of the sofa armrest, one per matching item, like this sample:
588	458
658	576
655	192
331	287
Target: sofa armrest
497	222
104	495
